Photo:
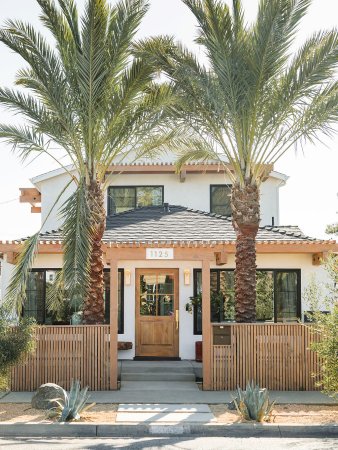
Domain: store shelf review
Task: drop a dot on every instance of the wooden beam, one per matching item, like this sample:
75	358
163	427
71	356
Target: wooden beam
165	168
30	195
113	328
12	257
221	258
206	326
318	258
183	175
35	209
180	253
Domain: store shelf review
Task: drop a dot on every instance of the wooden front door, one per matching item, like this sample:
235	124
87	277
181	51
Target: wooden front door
157	320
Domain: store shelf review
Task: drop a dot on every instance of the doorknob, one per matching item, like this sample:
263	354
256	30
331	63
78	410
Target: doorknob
177	317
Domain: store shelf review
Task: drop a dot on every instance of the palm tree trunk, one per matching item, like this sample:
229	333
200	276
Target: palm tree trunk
245	209
93	309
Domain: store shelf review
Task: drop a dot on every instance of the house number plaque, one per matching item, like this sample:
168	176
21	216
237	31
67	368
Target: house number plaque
159	253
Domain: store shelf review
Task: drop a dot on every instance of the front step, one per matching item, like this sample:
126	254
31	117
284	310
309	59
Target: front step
158	386
157	371
157	376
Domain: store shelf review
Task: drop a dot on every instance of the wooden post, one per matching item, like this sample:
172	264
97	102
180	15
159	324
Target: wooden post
206	325
114	280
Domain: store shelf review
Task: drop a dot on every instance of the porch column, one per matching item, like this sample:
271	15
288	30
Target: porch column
113	328
206	328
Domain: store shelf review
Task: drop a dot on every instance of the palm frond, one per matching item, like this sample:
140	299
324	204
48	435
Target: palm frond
77	233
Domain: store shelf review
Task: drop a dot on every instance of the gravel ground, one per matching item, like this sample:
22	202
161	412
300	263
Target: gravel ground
300	414
23	412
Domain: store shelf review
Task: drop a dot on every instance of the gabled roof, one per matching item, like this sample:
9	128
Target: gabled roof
182	225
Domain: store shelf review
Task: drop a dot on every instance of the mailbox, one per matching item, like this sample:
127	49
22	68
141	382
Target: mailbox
222	335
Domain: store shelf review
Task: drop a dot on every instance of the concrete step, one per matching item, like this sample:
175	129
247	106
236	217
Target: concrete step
164	413
157	376
155	369
154	417
163	408
162	386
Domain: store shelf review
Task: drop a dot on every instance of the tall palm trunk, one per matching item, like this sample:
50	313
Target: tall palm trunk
93	309
245	210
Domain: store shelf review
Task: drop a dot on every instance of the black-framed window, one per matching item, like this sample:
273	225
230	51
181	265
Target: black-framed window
278	296
220	199
40	282
124	198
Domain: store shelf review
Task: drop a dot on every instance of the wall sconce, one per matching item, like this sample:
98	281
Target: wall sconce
127	277
186	276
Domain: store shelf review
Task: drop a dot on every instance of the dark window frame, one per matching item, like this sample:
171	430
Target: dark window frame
210	193
275	271
107	270
135	186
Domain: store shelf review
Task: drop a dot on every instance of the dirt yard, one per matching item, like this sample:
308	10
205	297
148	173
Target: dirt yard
106	413
23	412
300	414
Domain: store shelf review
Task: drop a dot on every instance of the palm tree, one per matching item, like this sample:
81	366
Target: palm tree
89	98
250	103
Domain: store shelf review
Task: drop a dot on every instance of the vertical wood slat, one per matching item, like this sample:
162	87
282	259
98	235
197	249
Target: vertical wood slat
64	353
276	356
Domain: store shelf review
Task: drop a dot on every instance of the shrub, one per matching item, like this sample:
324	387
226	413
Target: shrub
326	325
15	343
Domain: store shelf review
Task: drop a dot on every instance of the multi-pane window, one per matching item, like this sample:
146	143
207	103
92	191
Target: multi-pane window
220	199
38	301
124	198
277	296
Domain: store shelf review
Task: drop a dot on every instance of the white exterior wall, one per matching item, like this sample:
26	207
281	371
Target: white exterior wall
193	193
186	337
6	273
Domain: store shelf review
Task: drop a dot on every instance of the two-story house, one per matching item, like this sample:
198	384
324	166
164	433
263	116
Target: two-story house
162	226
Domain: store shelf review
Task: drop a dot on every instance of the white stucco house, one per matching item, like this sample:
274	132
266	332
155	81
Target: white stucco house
159	223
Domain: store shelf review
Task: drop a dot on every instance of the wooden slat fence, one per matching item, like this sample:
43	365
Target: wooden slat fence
64	353
276	356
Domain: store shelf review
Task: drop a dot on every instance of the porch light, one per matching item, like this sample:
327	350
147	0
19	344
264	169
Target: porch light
127	277
186	277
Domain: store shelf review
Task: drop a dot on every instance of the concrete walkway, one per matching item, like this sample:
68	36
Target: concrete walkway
158	393
164	413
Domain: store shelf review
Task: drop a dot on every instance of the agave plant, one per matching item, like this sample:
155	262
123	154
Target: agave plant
253	403
74	405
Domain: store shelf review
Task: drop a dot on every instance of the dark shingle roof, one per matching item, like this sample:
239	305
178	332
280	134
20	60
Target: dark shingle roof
184	224
180	224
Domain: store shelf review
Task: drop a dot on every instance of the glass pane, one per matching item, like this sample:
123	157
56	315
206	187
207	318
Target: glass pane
227	289
35	303
165	284
165	305
198	310
220	200
215	298
264	296
148	284
121	199
286	296
149	196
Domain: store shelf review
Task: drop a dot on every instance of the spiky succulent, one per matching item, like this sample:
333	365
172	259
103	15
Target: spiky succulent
74	405
253	403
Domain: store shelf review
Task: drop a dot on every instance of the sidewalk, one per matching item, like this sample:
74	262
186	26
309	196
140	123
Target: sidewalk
181	394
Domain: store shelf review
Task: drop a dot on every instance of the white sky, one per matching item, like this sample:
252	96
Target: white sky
310	197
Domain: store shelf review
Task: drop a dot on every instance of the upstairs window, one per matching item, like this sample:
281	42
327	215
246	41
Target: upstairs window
124	198
220	199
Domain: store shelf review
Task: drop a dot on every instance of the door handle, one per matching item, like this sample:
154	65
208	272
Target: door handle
177	318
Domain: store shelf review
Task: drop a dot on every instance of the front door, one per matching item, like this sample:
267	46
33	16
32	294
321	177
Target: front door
157	317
